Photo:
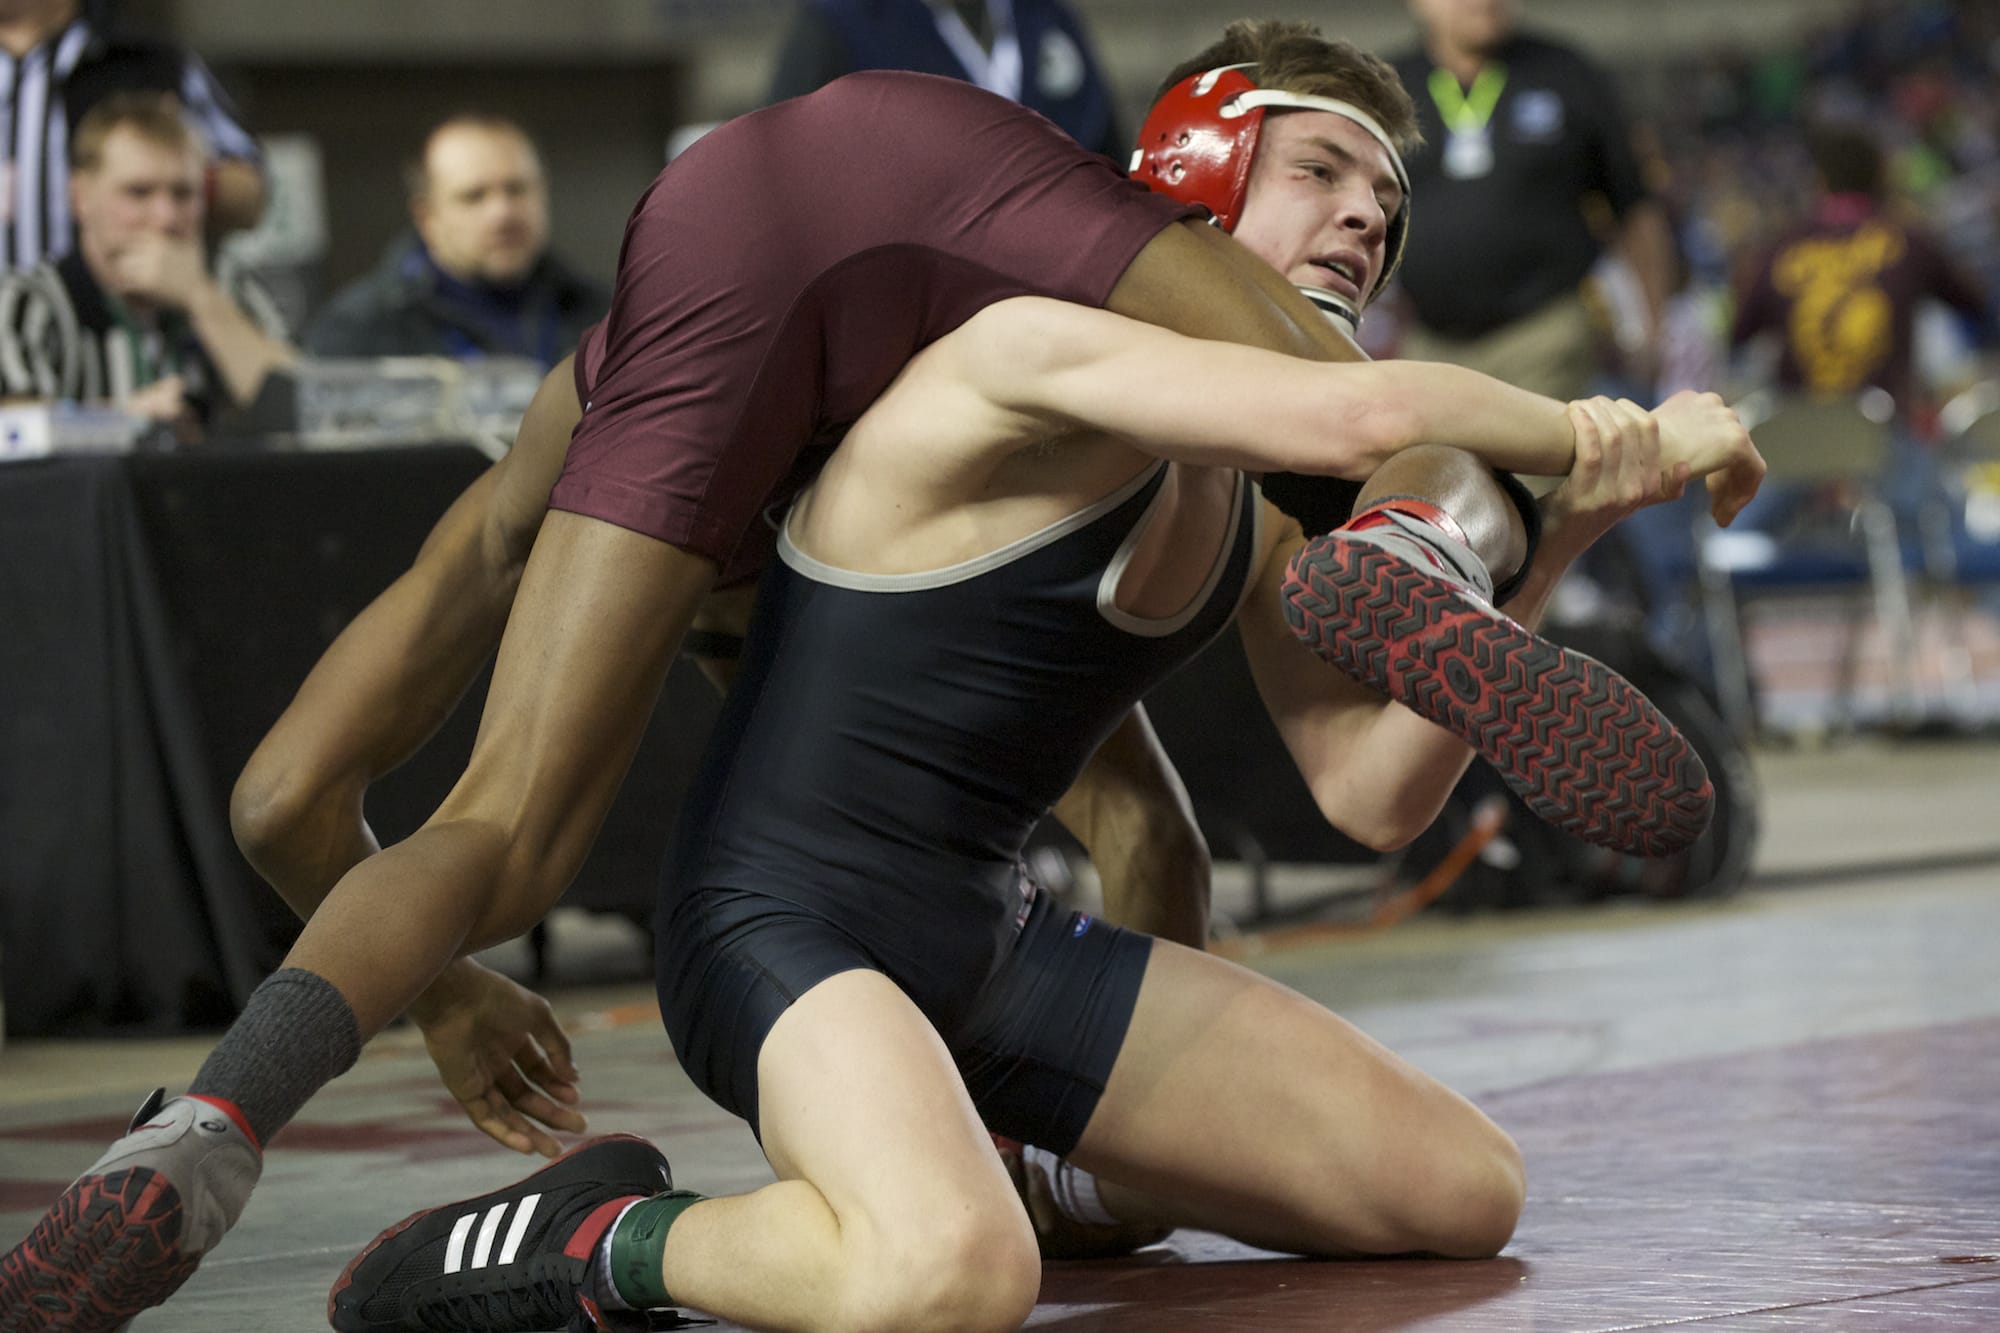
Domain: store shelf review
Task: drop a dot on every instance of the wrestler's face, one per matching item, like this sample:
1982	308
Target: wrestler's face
1322	192
484	214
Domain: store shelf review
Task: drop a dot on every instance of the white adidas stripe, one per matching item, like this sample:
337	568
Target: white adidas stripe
489	1226
486	1230
454	1254
522	1215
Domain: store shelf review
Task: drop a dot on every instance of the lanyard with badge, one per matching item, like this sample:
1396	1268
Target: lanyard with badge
1468	116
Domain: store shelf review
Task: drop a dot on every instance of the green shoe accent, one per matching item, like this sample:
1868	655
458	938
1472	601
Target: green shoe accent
638	1242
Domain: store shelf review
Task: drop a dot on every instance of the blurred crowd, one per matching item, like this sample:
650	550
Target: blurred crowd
1720	138
1730	156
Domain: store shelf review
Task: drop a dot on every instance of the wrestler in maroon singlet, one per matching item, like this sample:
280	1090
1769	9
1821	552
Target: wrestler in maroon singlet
781	272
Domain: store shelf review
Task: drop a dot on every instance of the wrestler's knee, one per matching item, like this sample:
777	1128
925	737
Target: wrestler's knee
1467	1204
968	1269
281	810
525	889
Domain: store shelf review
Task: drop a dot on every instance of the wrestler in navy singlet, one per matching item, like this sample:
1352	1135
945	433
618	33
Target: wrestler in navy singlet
880	762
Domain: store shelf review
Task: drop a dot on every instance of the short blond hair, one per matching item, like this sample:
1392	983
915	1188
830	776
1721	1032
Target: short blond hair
154	117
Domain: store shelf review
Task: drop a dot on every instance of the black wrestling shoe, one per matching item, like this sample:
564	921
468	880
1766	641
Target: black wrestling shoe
1574	739
516	1260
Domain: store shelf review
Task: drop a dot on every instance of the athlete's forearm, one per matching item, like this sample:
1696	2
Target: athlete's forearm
1040	363
1427	403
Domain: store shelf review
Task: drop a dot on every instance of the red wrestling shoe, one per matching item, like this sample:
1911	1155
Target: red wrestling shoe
130	1230
1575	740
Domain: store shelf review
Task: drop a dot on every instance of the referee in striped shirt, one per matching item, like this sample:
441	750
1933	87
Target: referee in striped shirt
55	64
132	317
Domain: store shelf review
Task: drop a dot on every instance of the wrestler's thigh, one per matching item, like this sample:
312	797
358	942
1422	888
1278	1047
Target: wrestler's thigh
858	1096
1195	280
1276	1120
715	640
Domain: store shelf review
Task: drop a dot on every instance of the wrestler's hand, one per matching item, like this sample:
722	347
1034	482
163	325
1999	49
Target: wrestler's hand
502	1054
1702	431
1618	469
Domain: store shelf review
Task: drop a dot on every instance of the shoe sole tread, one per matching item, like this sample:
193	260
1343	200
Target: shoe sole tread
105	1251
1575	740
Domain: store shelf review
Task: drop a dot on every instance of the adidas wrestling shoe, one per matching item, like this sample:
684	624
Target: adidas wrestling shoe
514	1260
130	1230
1578	742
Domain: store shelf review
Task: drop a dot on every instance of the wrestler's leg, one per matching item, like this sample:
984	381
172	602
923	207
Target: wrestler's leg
1237	1105
891	1210
1196	280
1132	815
395	673
597	620
1465	488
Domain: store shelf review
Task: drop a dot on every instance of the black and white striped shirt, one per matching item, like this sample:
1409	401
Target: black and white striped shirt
62	337
46	91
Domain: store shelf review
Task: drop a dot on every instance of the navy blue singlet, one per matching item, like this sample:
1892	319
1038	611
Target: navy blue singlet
883	756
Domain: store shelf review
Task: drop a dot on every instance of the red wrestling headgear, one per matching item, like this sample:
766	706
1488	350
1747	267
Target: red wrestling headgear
1201	136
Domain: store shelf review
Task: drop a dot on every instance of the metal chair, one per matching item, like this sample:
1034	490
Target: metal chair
1809	442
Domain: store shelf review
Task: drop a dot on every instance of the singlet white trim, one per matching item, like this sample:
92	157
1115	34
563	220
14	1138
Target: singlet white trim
821	572
1147	627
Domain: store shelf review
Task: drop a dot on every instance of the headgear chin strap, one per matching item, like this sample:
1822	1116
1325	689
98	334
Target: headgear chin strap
1335	307
1201	136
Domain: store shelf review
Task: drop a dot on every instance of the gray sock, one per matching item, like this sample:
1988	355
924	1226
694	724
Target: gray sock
296	1035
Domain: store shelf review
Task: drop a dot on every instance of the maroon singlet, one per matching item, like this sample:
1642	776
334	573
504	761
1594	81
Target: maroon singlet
783	270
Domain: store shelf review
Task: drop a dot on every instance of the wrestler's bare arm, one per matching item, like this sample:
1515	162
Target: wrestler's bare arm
1221	404
395	673
1197	281
1378	771
1049	363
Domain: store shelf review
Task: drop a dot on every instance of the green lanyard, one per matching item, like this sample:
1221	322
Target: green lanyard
1468	112
144	368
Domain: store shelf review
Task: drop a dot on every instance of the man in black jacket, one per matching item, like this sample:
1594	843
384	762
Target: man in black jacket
475	277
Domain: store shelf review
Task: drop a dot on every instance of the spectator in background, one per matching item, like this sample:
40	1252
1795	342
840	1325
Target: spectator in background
1841	289
1527	165
475	277
1840	292
1034	52
133	316
59	63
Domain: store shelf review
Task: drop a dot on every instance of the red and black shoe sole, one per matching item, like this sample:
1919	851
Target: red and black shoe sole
106	1250
1575	740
